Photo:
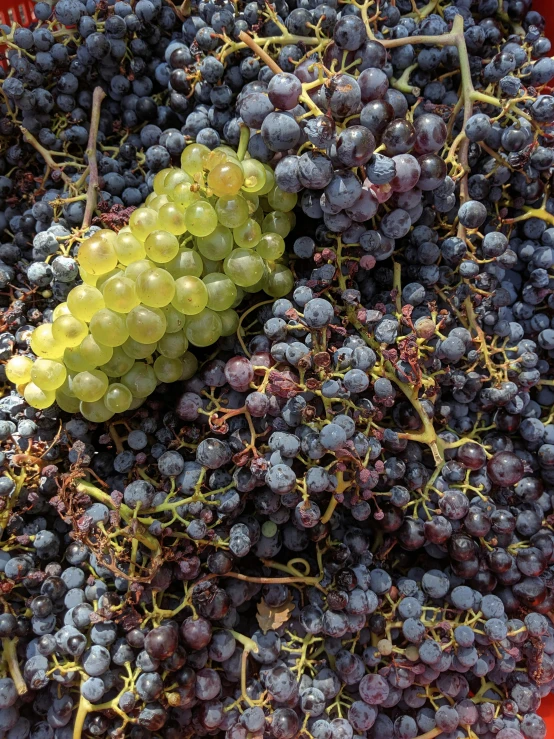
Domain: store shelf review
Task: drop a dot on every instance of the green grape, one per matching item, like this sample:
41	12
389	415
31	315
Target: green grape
161	246
142	222
44	344
259	216
254	175
193	158
67	387
94	353
247	235
48	374
171	219
136	403
226	150
146	324
135	269
191	295
159	179
175	321
74	360
232	210
109	328
221	291
87	278
118	398
215	159
201	218
97	255
211	267
90	386
252	200
156	201
173	345
66	402
292	219
175	177
229	321
95	412
137	350
281	200
269	181
120	294
101	281
61	310
83	302
119	364
189	366
259	285
204	329
244	267
271	247
239	298
168	369
279	282
140	380
216	246
38	398
226	178
18	369
128	248
184	194
69	331
187	262
276	222
155	287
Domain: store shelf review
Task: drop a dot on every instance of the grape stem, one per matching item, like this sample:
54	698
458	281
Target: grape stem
10	656
92	193
46	155
243	142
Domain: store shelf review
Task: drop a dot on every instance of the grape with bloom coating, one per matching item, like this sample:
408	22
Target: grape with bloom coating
90	386
44	344
119	294
191	295
140	380
244	267
84	301
118	398
161	246
222	291
155	287
69	331
18	369
204	328
146	324
48	374
109	328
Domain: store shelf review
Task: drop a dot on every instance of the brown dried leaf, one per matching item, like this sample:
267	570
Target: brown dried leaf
272	618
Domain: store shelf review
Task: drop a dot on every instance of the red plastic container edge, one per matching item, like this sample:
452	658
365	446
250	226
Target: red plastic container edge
21	13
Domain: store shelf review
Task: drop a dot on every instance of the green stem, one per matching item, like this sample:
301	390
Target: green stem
243	142
10	655
84	708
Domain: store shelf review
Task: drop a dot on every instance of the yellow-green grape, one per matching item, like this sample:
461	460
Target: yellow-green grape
173	345
189	366
257	286
97	255
128	248
276	222
44	344
69	331
159	179
258	215
191	295
118	398
94	353
201	218
226	179
229	322
254	175
66	402
161	246
158	202
221	291
95	412
142	222
120	294
90	386
140	380
83	302
193	158
204	329
48	374
101	281
136	403
38	398
217	245
87	278
74	360
252	200
168	369
119	364
62	310
281	200
211	267
171	219
279	282
135	269
149	198
174	319
174	178
137	350
155	287
239	298
109	328
271	246
214	159
269	181
184	194
244	266
18	369
232	210
146	324
187	262
247	235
